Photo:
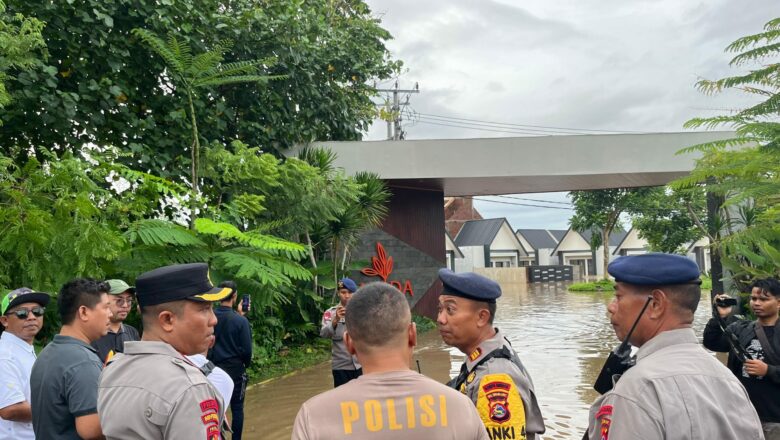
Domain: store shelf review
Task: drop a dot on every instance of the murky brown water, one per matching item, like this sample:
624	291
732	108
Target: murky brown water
563	339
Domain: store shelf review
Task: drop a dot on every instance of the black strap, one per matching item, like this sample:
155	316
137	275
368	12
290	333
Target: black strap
207	368
502	352
769	352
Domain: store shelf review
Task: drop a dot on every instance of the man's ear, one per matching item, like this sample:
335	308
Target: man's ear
82	313
166	319
349	343
659	304
412	334
4	321
483	317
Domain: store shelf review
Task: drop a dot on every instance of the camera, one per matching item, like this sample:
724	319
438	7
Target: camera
726	302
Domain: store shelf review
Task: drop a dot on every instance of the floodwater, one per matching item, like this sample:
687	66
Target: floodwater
562	338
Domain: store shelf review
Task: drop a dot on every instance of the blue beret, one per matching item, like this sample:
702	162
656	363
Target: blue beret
346	283
654	269
469	285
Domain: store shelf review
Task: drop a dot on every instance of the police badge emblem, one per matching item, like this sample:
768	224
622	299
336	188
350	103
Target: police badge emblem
497	394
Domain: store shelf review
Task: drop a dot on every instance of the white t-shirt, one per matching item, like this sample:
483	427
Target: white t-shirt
218	377
16	361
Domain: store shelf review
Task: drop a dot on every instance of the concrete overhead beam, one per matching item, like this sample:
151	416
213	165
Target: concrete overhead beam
526	164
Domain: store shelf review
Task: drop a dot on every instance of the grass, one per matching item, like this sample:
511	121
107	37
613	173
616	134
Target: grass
608	285
596	286
423	323
290	359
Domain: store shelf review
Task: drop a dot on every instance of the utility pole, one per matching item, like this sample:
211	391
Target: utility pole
394	131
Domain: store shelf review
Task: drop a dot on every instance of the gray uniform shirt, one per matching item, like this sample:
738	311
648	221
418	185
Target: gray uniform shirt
152	392
676	391
342	360
488	403
392	405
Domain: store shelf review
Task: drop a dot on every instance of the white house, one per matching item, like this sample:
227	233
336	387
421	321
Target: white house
452	250
699	251
539	243
574	249
631	244
489	243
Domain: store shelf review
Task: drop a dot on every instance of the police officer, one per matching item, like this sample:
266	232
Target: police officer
492	375
152	391
389	401
345	367
676	390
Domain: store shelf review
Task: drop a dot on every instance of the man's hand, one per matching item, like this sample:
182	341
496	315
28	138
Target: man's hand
755	367
240	308
340	312
722	311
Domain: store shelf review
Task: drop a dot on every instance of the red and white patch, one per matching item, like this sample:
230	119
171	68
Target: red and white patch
605	415
327	315
210	418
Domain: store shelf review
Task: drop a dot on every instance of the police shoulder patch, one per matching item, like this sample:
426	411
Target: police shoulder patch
475	354
209	409
500	407
604	414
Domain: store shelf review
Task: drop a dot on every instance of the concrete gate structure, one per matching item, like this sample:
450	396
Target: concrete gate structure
409	247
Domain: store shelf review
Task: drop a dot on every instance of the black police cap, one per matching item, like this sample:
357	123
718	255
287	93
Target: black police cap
177	282
469	285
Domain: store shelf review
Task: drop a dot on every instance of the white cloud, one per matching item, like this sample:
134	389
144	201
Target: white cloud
595	64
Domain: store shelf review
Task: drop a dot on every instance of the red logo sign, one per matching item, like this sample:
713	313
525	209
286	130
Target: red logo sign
382	267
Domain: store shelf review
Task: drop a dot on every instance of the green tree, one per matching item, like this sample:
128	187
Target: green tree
100	86
743	170
670	219
21	47
600	211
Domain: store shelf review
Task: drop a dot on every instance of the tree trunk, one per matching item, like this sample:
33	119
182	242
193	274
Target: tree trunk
605	243
714	203
313	261
194	158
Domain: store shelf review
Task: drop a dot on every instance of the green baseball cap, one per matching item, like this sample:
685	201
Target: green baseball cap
119	286
23	295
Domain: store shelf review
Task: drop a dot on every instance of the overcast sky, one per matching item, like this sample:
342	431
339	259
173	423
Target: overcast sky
616	65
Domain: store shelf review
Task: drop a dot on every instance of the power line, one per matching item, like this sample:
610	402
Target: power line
508	128
533	126
535	200
477	128
521	204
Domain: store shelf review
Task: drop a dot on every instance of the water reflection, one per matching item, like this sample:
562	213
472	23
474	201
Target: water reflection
563	339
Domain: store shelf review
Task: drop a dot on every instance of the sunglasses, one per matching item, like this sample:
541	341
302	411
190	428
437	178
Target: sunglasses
24	313
124	302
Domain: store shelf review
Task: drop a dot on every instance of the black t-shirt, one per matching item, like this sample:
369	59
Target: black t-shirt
113	343
764	393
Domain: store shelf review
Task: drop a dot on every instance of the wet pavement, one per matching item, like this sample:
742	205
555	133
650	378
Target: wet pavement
562	338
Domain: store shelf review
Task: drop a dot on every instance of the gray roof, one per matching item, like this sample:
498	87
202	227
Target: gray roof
479	232
538	238
557	233
615	237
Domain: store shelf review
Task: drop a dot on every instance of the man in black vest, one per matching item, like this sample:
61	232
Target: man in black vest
233	352
761	340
